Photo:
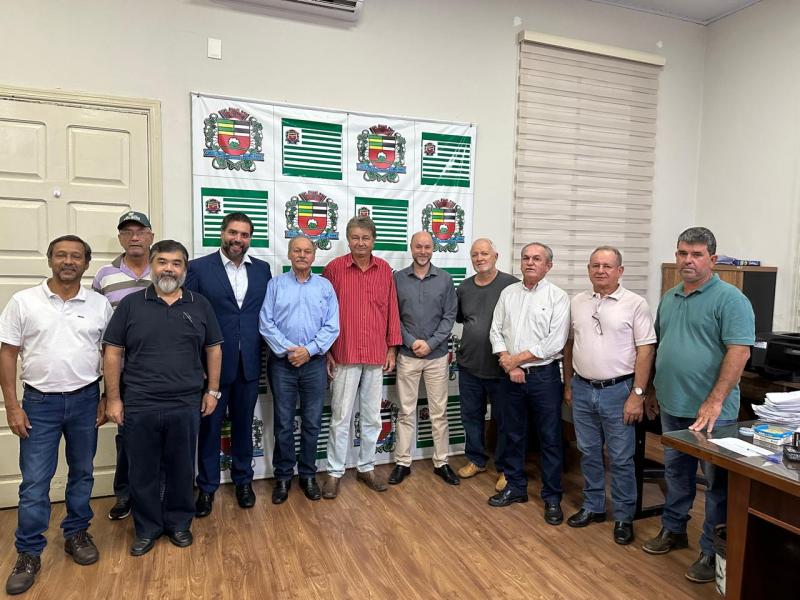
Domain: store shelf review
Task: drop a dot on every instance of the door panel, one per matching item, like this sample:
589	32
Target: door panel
64	168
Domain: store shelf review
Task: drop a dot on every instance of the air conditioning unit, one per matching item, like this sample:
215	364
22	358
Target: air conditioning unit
348	10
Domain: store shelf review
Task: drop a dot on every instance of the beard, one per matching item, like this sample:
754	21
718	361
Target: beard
234	249
167	282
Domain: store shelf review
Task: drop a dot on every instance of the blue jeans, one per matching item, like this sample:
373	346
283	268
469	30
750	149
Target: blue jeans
238	402
52	415
308	383
541	394
598	418
474	392
680	472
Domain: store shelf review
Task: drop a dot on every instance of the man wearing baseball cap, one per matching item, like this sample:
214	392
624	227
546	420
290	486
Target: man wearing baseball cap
129	272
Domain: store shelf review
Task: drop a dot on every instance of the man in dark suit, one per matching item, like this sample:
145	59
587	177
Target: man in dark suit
235	284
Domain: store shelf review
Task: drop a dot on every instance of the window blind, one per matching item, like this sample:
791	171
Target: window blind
585	152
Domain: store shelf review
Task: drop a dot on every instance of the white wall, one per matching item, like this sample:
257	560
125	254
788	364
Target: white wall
445	59
748	185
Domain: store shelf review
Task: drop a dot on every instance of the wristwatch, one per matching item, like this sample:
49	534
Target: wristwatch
638	391
214	394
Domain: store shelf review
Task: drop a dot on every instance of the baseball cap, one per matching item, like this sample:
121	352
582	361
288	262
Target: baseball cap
135	217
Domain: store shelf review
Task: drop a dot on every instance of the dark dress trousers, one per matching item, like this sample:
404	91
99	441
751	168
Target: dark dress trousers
241	366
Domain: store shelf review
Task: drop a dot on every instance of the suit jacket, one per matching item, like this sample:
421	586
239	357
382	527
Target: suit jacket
207	276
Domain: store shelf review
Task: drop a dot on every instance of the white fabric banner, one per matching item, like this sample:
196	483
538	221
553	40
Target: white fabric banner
301	170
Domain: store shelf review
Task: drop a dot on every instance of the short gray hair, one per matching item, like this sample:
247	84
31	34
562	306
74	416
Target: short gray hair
488	241
699	235
302	237
361	223
547	250
607	249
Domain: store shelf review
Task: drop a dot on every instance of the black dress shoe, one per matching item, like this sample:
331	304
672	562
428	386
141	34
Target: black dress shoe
204	504
623	532
553	514
507	498
181	538
399	473
281	491
584	517
245	495
446	473
142	546
310	488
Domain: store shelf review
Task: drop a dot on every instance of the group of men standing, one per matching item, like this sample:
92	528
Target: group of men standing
607	338
183	352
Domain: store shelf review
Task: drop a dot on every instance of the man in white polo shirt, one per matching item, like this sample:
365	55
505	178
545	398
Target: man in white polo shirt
56	328
607	363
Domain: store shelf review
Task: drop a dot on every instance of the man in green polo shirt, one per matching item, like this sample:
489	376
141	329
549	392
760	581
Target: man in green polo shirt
705	328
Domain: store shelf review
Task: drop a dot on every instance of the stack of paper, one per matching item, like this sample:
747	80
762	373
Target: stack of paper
781	408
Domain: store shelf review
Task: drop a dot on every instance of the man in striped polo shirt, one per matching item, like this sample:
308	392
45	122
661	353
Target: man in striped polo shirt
369	322
129	272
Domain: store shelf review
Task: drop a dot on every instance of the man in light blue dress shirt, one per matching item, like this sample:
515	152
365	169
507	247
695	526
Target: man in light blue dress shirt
299	321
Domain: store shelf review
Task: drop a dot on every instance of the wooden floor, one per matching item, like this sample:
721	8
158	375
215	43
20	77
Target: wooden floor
422	539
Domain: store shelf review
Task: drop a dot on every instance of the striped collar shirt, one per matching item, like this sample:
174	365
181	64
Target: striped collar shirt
369	318
117	280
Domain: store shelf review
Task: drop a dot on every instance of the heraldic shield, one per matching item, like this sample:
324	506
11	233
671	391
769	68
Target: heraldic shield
381	154
444	220
233	140
315	215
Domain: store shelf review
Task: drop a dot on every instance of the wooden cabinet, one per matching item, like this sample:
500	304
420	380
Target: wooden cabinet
757	283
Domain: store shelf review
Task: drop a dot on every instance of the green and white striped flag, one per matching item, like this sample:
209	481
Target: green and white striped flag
312	149
454	424
391	221
445	159
218	202
458	274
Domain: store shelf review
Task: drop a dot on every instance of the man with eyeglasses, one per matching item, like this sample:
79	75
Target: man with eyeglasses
607	363
128	273
529	330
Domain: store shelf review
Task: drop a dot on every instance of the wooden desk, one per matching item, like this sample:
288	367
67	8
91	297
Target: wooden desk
763	549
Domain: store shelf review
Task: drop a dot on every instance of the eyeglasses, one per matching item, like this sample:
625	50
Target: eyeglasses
127	233
597	324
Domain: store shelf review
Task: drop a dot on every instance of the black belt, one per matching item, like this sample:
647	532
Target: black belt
596	383
532	368
33	389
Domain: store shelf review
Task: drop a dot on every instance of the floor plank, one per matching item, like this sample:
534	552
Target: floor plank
422	539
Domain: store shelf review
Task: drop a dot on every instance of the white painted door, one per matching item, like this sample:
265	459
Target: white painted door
64	168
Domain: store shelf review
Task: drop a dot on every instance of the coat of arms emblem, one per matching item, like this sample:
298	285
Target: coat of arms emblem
233	140
381	154
444	220
315	215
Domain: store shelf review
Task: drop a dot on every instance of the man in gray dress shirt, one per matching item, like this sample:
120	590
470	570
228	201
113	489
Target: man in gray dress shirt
428	304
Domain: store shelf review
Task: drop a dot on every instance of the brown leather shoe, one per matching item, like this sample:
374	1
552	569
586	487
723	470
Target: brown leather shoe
330	489
470	470
501	483
374	483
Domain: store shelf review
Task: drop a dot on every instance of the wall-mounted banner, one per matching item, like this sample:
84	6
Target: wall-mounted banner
298	170
320	167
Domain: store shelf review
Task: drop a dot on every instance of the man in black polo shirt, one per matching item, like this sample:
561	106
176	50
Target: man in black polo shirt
164	334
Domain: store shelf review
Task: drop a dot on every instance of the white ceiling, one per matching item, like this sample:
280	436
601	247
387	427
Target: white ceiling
696	11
